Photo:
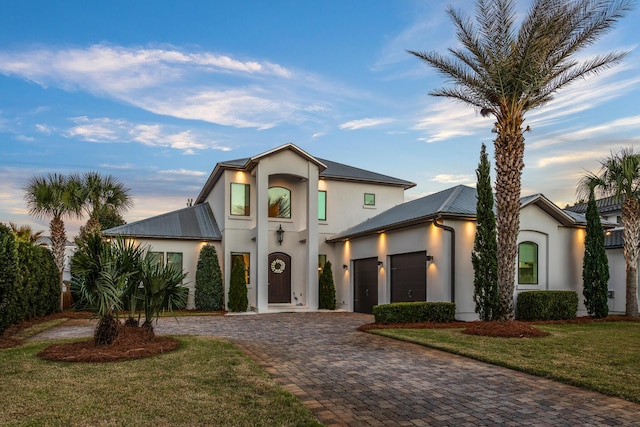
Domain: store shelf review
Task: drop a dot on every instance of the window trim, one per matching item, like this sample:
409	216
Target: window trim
325	205
535	265
365	202
290	202
247	196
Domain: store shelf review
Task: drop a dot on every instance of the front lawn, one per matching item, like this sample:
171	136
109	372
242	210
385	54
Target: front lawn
601	356
206	381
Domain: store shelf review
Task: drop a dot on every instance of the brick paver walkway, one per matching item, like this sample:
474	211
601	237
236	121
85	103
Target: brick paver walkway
347	377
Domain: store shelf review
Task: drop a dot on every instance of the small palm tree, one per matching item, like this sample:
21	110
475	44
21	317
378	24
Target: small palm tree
25	233
55	196
619	176
505	72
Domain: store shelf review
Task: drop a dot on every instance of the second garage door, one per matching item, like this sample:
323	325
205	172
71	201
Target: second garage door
409	277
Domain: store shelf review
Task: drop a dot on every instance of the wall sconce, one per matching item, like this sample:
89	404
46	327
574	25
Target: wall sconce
380	264
345	267
429	258
280	234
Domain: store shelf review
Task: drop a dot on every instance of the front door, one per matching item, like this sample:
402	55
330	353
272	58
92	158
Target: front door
279	278
365	285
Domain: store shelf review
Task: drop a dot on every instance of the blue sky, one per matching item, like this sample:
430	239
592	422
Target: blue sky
156	92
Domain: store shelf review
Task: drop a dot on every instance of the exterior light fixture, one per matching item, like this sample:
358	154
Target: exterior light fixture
429	258
280	234
345	266
380	263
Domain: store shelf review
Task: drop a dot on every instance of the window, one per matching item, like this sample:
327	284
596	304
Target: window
157	257
322	260
174	258
322	205
369	199
279	202
244	256
528	263
240	199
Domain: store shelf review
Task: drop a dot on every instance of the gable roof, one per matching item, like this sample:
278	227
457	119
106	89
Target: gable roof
607	204
456	202
191	223
328	170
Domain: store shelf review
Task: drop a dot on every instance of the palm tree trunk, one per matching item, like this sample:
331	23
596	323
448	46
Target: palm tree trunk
58	242
509	153
631	223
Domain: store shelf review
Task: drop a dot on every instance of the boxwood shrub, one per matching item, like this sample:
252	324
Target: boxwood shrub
547	305
414	312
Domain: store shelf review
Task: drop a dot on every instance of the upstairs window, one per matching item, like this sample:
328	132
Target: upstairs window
279	202
240	199
528	263
369	199
322	205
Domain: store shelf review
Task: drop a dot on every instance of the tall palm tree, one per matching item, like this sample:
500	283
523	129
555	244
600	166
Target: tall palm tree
619	176
504	72
55	196
103	195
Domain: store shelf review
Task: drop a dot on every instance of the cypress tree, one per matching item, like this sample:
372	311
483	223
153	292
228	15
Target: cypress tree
238	301
485	246
595	267
209	294
327	288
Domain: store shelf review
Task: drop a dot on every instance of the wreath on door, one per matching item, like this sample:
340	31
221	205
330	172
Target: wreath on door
278	266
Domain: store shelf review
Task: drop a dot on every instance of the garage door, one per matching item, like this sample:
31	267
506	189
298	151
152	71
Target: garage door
409	277
365	285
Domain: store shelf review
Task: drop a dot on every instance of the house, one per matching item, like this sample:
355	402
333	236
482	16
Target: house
610	209
286	212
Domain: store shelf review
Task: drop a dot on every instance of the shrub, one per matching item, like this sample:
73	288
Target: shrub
547	305
8	276
327	289
414	312
209	294
238	301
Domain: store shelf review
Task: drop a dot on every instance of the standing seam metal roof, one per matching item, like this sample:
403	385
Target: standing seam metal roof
191	223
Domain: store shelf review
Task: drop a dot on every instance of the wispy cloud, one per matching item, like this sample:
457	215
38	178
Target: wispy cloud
107	130
365	123
174	82
447	119
182	172
454	179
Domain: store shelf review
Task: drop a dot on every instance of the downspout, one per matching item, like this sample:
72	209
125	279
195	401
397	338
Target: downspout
452	256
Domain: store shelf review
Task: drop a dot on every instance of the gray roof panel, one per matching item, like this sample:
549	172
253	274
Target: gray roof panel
192	223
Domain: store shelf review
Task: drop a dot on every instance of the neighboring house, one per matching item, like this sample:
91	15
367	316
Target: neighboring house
286	213
610	209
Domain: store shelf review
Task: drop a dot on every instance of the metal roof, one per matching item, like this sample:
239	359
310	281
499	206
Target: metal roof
455	202
607	204
191	223
459	201
328	170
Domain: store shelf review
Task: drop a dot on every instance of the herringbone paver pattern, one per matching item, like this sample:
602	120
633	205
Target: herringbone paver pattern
349	378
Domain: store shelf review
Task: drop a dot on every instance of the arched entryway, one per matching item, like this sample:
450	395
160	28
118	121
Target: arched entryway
279	278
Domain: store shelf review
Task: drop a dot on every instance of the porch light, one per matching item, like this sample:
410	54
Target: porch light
280	234
429	258
345	266
380	263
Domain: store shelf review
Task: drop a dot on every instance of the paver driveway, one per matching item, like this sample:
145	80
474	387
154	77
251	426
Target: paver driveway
351	378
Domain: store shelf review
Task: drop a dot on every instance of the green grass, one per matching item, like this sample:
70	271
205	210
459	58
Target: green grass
604	356
207	381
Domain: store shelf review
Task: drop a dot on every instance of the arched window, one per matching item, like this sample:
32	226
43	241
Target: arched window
279	202
528	263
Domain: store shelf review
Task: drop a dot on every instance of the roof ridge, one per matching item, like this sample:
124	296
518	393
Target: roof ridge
449	200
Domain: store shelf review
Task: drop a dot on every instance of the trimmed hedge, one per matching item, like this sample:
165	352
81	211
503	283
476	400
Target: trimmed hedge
547	305
209	294
414	312
29	281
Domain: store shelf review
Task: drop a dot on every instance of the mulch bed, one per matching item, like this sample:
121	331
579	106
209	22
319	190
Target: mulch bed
504	329
132	343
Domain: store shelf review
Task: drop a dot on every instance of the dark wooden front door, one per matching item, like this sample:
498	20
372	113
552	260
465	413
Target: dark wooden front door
279	278
365	285
409	277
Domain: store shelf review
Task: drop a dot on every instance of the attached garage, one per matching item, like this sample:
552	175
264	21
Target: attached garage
365	285
409	277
